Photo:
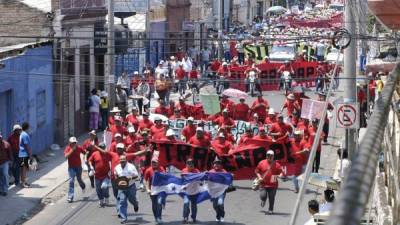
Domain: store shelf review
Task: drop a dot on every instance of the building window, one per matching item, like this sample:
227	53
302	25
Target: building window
41	108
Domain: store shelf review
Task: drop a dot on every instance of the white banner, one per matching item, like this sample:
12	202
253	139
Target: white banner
312	109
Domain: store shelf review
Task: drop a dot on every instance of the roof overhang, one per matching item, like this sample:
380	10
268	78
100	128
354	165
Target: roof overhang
387	11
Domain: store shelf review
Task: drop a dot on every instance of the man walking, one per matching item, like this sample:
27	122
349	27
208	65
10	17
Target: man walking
13	140
73	154
189	199
94	110
267	172
100	163
25	153
126	174
6	159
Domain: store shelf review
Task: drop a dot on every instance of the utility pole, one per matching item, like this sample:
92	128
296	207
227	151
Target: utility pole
147	42
220	28
110	77
350	66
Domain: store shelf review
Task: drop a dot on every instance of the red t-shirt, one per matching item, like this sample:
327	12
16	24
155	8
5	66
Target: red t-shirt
241	112
132	119
282	129
221	148
187	170
203	142
193	74
270	121
180	74
361	96
222	121
312	132
291	106
189	132
101	164
145	124
271	178
217	171
223	71
260	107
118	129
87	146
148	174
157	130
215	65
13	140
161	110
74	160
244	138
295	147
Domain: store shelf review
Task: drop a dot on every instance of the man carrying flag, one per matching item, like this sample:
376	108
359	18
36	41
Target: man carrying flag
156	199
218	202
189	199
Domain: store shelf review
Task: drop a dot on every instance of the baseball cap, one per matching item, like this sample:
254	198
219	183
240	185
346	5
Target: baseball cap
291	97
117	118
145	114
221	135
170	132
72	140
190	119
17	127
298	132
117	135
102	145
225	111
271	111
157	118
92	132
199	129
270	152
120	145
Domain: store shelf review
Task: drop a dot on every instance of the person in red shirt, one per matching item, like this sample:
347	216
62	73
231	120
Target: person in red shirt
220	145
131	118
158	128
295	119
180	76
267	172
325	128
156	200
100	163
189	130
199	140
171	108
145	123
312	134
299	152
207	134
185	109
280	129
117	139
113	113
300	97
256	121
13	140
131	140
260	106
177	115
118	127
291	105
6	158
73	154
262	135
193	77
189	199
214	67
225	120
241	110
303	125
162	108
224	70
248	135
225	103
88	146
218	202
271	119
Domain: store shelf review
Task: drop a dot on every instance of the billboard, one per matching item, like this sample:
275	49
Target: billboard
81	8
125	6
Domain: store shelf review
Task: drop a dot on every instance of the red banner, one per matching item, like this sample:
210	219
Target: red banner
305	75
241	161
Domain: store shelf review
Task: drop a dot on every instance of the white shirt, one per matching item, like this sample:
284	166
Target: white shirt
327	206
95	107
310	222
128	171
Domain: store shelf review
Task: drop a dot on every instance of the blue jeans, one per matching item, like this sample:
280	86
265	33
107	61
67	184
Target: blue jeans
296	178
4	177
104	118
218	205
102	192
156	206
74	172
192	200
123	197
16	168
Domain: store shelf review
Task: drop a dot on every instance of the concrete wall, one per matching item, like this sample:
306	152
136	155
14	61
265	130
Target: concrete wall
27	80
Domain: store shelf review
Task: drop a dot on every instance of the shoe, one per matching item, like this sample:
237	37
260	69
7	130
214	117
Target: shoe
101	203
222	219
141	187
25	185
262	204
270	212
194	221
119	216
136	208
184	221
69	200
106	201
296	191
217	220
124	221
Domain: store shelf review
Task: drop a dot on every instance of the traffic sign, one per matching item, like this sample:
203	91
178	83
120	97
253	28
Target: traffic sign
348	115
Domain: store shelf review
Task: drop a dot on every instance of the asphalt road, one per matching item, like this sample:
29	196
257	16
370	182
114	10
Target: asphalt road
242	206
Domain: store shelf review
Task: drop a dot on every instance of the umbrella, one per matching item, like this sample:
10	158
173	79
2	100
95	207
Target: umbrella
322	181
276	9
234	93
154	115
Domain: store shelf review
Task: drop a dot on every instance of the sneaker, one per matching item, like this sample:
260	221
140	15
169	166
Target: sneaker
141	187
136	208
270	212
262	203
25	185
124	221
194	220
217	220
101	203
69	200
106	201
222	219
185	221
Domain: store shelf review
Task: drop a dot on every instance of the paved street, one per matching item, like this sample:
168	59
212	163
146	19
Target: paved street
242	206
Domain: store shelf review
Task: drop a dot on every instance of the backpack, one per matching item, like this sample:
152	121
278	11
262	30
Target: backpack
89	103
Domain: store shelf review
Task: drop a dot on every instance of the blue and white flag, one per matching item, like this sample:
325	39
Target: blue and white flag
203	185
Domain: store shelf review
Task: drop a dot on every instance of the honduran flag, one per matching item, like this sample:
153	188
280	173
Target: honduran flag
203	185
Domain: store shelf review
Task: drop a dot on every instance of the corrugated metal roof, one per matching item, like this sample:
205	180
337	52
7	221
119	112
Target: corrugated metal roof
42	5
19	46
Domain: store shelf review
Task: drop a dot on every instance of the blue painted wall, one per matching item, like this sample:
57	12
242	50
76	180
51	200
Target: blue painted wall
27	81
156	48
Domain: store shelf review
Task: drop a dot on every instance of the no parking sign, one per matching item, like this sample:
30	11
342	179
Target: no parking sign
348	115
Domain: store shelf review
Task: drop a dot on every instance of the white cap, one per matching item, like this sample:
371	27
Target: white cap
17	127
120	145
170	132
136	73
221	135
199	129
224	63
103	94
255	115
270	152
271	111
72	140
225	110
161	62
190	119
131	129
291	97
117	135
298	132
92	132
172	57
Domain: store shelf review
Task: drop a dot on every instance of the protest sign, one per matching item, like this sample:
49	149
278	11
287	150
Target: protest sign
312	109
210	104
